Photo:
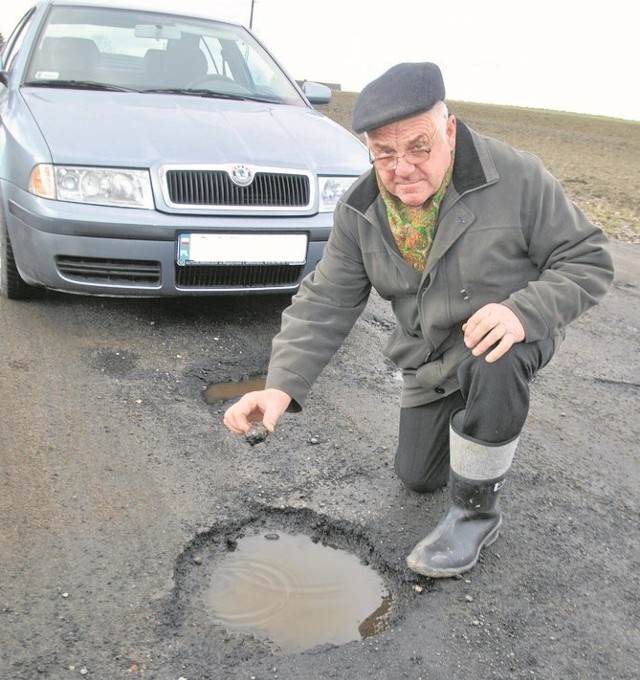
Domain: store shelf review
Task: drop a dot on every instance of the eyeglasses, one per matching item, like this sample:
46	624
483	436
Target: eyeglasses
414	156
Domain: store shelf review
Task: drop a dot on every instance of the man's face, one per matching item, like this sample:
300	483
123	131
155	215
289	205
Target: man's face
414	155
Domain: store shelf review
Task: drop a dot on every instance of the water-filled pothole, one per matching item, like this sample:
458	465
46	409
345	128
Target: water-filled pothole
216	392
364	572
295	594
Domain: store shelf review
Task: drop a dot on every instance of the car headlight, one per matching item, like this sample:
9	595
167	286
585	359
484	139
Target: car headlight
101	186
331	190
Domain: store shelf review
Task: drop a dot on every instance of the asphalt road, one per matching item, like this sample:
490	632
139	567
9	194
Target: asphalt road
116	474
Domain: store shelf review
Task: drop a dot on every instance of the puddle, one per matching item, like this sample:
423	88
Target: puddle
232	390
280	581
296	594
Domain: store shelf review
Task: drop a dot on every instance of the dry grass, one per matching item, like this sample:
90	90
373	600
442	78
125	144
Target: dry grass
597	159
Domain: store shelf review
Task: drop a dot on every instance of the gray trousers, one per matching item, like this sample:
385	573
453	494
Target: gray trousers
496	402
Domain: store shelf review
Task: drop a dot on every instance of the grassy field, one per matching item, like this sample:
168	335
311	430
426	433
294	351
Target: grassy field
597	159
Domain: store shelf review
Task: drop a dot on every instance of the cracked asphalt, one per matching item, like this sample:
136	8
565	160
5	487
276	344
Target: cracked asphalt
114	470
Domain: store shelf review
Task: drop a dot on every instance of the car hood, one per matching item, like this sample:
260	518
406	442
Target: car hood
146	130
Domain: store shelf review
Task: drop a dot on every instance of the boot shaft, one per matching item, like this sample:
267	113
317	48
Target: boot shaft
476	498
475	460
478	471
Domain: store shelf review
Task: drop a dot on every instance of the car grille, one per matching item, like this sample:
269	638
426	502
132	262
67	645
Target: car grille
238	276
146	273
215	188
113	272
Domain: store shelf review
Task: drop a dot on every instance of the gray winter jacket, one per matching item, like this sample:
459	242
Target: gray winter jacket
506	233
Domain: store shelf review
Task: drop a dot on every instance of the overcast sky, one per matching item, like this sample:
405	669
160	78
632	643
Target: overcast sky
568	55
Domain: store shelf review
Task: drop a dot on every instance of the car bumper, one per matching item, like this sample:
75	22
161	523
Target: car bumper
96	250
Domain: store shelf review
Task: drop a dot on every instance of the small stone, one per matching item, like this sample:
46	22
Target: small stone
272	537
197	559
418	589
468	598
256	434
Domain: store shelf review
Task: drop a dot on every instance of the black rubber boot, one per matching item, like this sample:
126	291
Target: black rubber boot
472	522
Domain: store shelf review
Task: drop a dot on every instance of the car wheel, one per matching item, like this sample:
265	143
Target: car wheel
12	285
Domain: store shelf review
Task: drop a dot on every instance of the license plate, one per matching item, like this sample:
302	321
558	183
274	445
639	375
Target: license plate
194	248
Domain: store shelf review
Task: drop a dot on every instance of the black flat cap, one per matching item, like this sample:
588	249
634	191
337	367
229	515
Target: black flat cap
403	91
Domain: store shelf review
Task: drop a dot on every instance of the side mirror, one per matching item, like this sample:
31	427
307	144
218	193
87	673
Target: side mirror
316	93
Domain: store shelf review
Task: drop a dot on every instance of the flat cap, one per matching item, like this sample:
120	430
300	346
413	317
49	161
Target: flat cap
403	91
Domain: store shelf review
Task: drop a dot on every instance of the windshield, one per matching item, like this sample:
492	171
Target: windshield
146	51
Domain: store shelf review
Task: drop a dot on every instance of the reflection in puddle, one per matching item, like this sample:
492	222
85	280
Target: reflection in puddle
231	390
296	594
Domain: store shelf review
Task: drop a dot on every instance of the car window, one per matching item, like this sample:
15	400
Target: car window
150	51
13	44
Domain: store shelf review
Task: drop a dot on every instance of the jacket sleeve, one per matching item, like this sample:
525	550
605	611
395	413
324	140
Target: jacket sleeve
321	314
571	254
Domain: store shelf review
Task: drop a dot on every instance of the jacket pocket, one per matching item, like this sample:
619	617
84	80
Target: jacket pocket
442	370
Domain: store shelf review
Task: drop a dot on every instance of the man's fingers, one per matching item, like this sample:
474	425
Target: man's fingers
238	418
493	327
476	329
237	423
494	335
264	406
501	348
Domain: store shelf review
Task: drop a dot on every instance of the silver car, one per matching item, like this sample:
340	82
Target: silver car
153	154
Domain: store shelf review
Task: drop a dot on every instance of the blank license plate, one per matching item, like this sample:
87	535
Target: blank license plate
242	249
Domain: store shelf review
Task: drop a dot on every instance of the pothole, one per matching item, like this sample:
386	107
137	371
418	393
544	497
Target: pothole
296	594
290	581
216	392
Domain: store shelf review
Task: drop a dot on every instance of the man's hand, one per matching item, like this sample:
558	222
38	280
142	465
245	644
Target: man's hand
265	406
491	324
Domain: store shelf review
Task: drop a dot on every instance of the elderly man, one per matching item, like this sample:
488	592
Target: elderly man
484	260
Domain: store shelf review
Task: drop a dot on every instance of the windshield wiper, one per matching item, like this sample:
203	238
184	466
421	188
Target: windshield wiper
79	85
193	92
212	94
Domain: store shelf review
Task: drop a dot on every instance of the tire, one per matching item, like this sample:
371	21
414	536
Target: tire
12	285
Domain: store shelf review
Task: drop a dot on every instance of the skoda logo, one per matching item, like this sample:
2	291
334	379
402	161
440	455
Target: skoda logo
242	175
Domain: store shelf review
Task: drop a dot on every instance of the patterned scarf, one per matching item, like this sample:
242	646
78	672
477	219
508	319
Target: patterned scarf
414	228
